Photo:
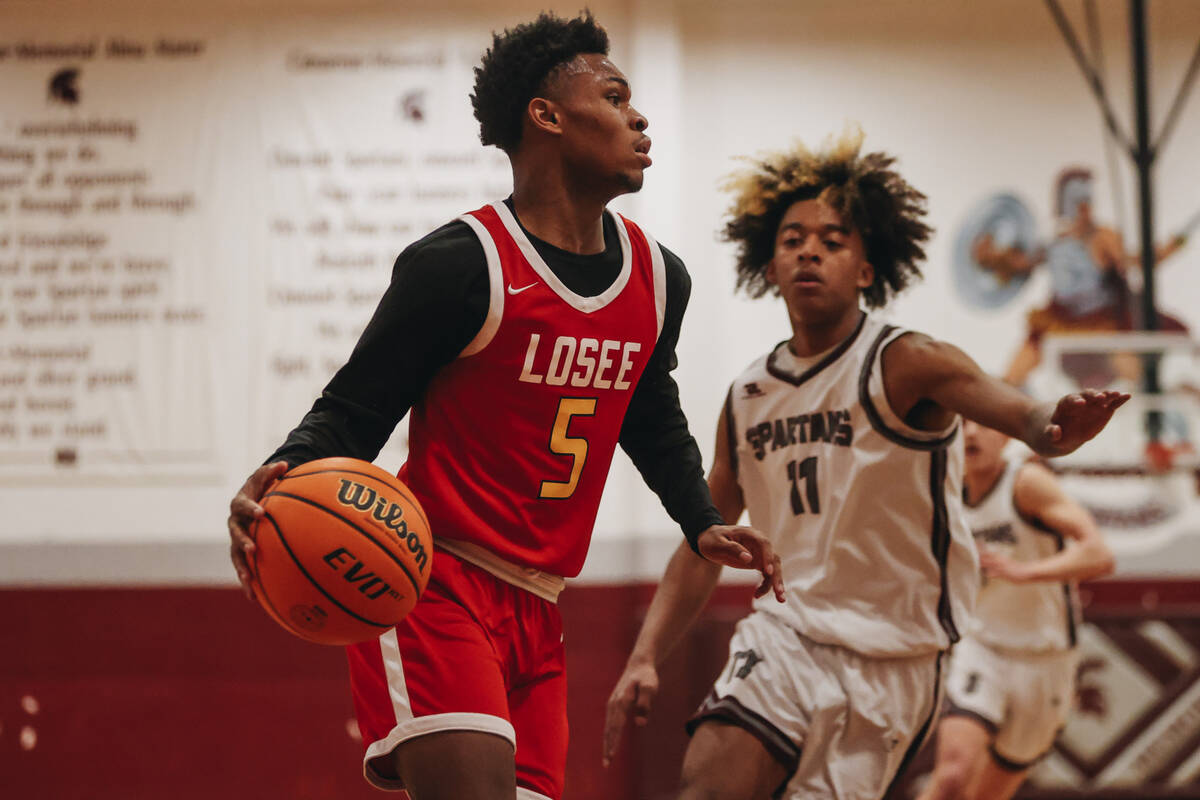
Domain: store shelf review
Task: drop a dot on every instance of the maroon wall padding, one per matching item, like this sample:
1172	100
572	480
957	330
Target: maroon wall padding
194	693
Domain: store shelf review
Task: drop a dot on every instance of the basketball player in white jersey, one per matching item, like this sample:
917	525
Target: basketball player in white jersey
844	444
1012	677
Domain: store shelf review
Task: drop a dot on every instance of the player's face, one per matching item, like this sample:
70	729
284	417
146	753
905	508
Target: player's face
982	446
603	137
819	265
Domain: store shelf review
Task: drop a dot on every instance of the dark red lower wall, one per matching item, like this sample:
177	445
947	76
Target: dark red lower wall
194	693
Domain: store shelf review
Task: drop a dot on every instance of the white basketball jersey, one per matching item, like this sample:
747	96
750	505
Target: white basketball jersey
1029	617
864	511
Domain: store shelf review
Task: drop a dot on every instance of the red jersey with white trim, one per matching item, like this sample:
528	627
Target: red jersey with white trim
510	445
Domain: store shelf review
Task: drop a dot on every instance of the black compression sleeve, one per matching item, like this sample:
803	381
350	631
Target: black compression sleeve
434	306
655	433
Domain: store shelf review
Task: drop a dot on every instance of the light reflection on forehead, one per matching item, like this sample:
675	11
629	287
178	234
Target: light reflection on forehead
590	65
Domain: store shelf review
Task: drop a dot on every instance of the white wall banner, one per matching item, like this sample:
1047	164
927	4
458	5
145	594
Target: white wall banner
211	212
367	144
107	191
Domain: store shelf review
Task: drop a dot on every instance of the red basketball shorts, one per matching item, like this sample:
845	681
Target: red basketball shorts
475	654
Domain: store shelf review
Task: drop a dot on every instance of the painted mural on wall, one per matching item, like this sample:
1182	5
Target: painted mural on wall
1090	269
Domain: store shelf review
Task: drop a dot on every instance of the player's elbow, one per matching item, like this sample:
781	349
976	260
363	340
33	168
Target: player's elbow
1105	565
1102	562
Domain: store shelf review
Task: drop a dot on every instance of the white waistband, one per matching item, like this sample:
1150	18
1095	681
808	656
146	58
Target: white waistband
542	584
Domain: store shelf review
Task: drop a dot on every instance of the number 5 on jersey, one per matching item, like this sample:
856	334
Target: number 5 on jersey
574	446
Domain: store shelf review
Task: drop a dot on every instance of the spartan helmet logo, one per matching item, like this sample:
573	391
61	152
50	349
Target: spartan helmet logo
62	87
412	106
1073	187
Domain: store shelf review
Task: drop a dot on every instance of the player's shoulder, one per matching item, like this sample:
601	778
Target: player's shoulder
451	237
1033	473
676	272
453	246
1034	485
674	265
910	354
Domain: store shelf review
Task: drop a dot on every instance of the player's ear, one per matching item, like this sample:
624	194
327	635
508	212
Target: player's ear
543	114
866	275
772	273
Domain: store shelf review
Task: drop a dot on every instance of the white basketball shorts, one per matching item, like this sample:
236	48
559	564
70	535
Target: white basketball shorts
1023	699
843	725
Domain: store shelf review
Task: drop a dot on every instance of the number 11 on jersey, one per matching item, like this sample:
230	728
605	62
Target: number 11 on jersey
805	471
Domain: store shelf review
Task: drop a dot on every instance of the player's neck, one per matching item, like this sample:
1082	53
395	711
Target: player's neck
978	482
811	338
551	211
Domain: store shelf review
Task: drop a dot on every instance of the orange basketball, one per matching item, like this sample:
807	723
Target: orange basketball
342	553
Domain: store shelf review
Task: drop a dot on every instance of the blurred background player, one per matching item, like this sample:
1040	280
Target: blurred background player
843	443
1012	677
527	338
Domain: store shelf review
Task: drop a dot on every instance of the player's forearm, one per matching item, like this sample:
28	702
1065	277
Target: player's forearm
1079	562
681	595
1035	431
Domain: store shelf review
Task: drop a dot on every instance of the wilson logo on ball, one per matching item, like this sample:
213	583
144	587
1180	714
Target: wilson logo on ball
372	586
353	494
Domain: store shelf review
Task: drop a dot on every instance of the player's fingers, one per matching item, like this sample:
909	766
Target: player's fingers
241	539
1054	433
263	476
777	580
1120	400
642	702
242	568
769	565
735	551
244	508
759	546
614	723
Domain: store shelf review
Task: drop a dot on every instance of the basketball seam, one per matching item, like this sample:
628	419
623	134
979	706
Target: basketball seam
311	580
354	525
266	597
402	489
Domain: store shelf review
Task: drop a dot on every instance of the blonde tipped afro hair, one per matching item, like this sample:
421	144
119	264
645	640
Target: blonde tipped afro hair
870	196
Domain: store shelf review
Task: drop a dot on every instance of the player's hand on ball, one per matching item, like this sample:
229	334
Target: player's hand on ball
243	511
744	548
1079	417
633	694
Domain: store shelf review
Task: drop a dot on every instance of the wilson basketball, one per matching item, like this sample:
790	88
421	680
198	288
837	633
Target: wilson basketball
342	553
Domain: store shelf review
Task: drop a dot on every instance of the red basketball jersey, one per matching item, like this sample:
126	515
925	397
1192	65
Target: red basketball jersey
510	446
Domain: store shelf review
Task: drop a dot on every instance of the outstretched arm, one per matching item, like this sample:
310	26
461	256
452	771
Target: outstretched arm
1039	496
923	374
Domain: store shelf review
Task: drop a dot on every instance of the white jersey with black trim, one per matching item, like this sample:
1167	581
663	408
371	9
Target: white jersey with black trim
1029	617
864	511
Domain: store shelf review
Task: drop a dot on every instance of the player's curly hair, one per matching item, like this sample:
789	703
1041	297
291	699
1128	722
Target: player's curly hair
885	210
518	65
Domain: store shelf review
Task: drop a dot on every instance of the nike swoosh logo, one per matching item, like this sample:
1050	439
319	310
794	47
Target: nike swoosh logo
511	290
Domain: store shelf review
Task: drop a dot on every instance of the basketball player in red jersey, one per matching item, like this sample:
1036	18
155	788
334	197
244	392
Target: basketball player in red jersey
528	338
